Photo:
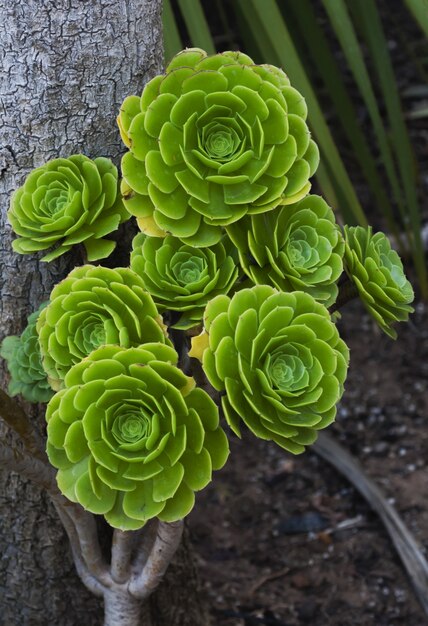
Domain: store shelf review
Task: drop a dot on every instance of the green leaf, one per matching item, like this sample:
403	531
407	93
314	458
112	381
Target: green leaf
269	31
197	25
98	248
171	36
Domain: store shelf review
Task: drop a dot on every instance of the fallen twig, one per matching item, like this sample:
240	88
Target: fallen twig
267	578
404	542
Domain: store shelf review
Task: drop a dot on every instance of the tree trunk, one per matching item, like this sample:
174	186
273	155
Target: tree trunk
67	66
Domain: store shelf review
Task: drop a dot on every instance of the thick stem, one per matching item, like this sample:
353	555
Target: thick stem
88	579
121	609
167	541
347	291
16	418
121	549
28	466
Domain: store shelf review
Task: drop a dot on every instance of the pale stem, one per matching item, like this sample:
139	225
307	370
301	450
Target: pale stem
86	530
166	543
43	475
27	466
15	418
146	538
90	582
121	550
121	609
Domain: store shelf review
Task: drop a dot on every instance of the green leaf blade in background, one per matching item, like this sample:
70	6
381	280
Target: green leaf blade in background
171	37
196	25
345	32
377	43
419	10
265	22
321	56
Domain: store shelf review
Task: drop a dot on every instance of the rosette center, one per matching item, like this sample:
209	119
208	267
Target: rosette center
287	371
301	249
221	141
93	335
189	271
54	201
130	428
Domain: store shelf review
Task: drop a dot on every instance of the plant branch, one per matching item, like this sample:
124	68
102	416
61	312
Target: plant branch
145	537
43	475
88	579
15	417
86	529
27	466
165	545
121	609
121	549
347	291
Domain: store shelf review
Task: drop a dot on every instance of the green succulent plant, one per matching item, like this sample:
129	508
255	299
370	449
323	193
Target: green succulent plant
66	202
92	307
27	376
280	361
294	248
377	272
182	278
211	140
132	437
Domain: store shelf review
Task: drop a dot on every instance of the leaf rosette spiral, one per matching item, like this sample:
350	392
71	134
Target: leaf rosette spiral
212	139
280	361
132	437
92	307
293	248
377	271
24	363
65	202
182	278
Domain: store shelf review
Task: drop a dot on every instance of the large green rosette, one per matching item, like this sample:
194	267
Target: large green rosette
280	361
92	307
27	376
293	248
132	437
65	202
377	272
211	140
182	278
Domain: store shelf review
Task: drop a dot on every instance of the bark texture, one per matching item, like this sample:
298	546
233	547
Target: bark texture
67	66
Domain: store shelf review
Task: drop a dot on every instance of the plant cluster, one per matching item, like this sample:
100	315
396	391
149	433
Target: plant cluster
234	252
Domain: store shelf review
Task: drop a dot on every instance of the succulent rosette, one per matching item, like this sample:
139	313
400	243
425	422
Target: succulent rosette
132	437
27	376
211	140
294	248
66	202
280	361
377	271
92	307
182	278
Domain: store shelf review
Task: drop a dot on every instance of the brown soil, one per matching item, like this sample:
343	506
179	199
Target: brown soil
286	541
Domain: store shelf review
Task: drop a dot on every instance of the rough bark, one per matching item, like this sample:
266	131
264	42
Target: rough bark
67	66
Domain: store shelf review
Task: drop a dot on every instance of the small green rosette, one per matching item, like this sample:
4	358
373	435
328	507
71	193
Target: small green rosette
92	307
293	248
27	376
65	202
211	140
377	271
131	436
280	361
182	278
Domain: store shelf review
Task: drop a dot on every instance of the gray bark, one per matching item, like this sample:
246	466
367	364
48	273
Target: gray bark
67	66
